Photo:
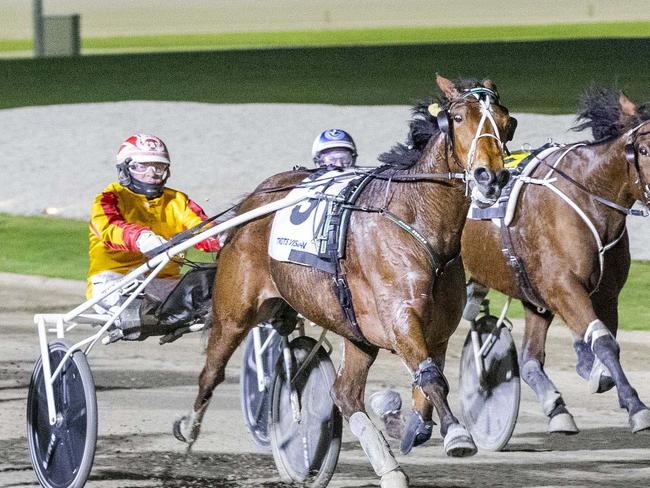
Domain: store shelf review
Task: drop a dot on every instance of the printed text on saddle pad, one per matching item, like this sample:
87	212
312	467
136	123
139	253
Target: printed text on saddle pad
300	232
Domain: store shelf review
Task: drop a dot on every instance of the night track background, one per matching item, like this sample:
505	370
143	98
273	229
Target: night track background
540	63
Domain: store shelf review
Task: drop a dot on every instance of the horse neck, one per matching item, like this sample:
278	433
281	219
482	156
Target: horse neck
603	170
439	207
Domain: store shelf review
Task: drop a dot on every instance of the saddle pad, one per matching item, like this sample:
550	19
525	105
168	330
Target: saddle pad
299	233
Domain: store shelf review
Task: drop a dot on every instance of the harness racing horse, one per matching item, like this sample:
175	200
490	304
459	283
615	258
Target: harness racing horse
569	236
406	280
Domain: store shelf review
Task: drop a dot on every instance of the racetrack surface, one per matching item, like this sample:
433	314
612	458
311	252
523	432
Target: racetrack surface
142	387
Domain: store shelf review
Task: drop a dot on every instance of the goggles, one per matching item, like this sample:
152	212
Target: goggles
341	158
158	169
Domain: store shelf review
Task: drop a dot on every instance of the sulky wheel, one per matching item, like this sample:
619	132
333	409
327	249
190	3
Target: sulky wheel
62	454
255	403
306	451
490	406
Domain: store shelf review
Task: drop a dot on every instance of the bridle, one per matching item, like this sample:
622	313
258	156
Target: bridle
484	97
632	157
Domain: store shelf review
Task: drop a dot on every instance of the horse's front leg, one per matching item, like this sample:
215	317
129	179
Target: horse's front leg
532	371
223	340
425	359
348	392
576	308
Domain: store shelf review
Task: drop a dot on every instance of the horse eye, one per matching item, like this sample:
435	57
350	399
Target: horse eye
643	151
458	118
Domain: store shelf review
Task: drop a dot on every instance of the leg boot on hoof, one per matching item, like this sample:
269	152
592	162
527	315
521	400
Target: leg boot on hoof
376	448
562	423
640	421
585	359
387	405
416	432
600	379
458	442
395	479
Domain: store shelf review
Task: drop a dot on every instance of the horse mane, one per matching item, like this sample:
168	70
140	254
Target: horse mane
422	128
599	110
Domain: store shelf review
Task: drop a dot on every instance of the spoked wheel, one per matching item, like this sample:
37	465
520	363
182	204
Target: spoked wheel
62	454
490	405
305	451
255	403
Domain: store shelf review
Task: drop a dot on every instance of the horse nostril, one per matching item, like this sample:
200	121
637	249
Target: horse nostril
503	176
483	176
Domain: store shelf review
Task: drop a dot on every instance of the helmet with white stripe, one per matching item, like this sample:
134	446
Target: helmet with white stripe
334	147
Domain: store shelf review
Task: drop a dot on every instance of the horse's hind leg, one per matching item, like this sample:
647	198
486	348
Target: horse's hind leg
224	339
348	392
576	309
532	371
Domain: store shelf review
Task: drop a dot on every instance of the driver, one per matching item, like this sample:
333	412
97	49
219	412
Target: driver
334	149
136	214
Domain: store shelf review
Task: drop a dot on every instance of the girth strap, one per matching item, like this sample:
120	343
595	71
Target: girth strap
526	288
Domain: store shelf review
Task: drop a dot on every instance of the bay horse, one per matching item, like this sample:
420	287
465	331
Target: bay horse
407	286
574	251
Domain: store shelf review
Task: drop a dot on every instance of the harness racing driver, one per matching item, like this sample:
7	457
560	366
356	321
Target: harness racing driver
135	215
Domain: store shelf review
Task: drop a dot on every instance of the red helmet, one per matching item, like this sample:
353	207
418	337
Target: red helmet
143	148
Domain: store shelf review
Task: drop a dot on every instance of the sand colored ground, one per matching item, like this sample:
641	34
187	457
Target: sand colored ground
151	17
142	387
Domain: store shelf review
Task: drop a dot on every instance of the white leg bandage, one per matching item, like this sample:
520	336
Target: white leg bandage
373	443
595	330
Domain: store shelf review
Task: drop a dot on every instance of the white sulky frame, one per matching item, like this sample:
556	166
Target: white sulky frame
77	316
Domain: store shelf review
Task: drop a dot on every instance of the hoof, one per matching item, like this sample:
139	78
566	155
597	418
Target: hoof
416	432
458	442
176	429
562	423
186	430
387	405
640	420
393	425
600	379
394	479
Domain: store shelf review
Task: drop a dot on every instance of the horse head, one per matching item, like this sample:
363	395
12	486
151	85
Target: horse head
613	117
637	149
476	128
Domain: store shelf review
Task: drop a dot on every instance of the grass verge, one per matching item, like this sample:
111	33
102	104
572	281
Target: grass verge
539	77
353	37
56	247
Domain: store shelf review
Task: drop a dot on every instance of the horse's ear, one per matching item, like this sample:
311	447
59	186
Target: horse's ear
447	87
490	85
628	107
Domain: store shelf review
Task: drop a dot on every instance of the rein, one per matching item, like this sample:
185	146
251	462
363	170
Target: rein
604	201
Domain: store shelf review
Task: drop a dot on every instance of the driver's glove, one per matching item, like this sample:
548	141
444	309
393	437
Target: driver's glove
148	241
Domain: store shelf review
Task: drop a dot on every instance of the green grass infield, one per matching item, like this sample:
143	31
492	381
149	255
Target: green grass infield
56	247
536	76
351	37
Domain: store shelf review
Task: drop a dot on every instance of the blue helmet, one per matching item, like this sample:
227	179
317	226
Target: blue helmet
331	139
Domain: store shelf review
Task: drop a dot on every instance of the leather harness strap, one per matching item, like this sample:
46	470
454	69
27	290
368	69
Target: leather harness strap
528	291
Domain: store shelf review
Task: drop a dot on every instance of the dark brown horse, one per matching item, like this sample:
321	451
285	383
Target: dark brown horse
572	265
407	286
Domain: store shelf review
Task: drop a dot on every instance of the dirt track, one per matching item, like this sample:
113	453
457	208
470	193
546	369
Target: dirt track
143	386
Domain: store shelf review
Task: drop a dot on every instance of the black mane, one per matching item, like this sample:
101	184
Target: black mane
599	111
422	127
